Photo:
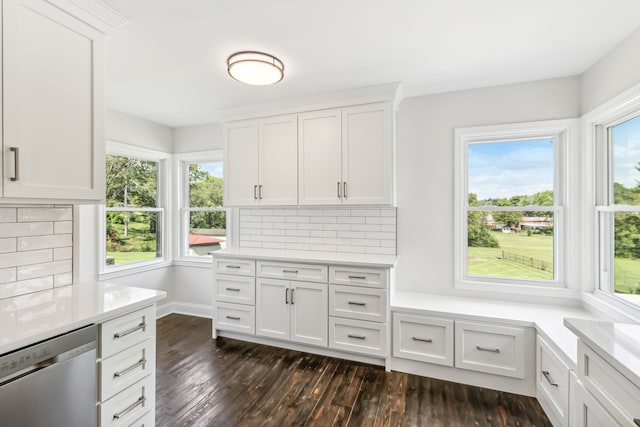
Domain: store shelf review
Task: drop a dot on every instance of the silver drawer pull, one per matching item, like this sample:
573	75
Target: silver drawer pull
356	303
637	421
422	339
142	326
290	271
358	337
129	408
492	350
233	266
549	378
125	371
233	289
233	317
357	277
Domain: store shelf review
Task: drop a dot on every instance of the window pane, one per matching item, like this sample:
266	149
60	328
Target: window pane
510	244
205	185
133	237
626	161
626	262
207	232
131	182
515	173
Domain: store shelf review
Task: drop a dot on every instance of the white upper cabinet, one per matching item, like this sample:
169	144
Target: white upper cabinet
53	115
260	159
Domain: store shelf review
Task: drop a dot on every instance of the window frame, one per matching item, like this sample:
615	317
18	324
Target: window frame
162	201
183	161
563	132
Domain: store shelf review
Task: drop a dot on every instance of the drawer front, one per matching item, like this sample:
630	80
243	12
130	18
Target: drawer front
358	336
425	339
125	408
490	348
358	303
235	317
589	412
244	267
147	420
552	382
290	271
609	386
235	289
123	369
370	277
126	331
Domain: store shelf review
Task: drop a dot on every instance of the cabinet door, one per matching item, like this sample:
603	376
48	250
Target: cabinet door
278	167
367	154
53	104
589	413
309	315
272	308
319	160
241	163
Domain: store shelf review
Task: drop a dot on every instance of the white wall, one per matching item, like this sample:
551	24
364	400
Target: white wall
193	289
197	138
121	127
425	130
617	71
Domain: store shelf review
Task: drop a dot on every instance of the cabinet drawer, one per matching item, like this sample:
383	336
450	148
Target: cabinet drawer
358	303
235	317
128	406
609	386
358	336
235	289
589	412
552	383
290	271
371	277
425	339
147	420
123	369
490	348
243	267
125	331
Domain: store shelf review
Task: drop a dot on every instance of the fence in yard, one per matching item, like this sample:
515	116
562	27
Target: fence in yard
529	261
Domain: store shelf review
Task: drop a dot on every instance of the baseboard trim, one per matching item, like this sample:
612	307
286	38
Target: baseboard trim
197	310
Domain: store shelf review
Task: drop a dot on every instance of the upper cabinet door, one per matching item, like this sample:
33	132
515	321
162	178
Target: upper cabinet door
278	169
53	115
367	154
319	157
241	163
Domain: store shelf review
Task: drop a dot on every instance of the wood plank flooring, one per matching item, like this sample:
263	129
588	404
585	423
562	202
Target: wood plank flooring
225	382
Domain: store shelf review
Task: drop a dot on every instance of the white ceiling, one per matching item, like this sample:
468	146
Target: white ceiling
168	64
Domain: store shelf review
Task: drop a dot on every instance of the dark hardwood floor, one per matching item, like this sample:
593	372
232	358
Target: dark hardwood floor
225	382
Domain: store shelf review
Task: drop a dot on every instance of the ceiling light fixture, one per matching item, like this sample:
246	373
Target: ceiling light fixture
255	68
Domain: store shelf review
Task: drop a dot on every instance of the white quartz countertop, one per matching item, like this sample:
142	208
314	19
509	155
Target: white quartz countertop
547	319
30	318
336	258
617	343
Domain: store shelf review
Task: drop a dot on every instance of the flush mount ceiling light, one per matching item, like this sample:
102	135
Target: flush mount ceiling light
255	68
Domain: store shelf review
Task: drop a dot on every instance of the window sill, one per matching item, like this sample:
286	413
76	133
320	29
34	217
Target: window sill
204	262
614	306
555	291
127	270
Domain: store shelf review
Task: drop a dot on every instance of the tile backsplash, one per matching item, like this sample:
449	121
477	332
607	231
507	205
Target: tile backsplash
351	230
36	248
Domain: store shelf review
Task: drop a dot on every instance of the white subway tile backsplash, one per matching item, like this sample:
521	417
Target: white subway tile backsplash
347	230
36	248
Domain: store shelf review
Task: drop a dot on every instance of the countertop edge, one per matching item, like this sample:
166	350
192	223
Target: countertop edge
344	259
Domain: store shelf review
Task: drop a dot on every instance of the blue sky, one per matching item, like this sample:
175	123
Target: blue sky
626	152
214	168
510	168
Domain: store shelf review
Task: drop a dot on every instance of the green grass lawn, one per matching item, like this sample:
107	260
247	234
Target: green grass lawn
627	275
128	257
138	245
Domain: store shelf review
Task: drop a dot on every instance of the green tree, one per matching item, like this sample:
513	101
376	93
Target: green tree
478	233
205	191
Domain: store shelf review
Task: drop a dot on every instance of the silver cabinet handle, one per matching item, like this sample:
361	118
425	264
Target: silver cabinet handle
344	193
125	371
129	408
338	189
260	191
142	326
637	421
292	294
358	337
422	339
255	193
233	289
286	296
233	266
357	277
549	378
356	303
16	163
290	271
491	350
233	317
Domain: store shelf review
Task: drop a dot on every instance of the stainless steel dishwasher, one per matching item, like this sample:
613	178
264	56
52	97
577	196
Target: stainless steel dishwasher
51	383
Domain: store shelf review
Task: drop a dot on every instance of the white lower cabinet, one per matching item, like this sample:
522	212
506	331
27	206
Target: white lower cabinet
129	405
552	383
358	336
425	339
589	412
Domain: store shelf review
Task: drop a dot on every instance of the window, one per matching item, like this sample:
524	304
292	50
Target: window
204	221
134	216
618	208
509	205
